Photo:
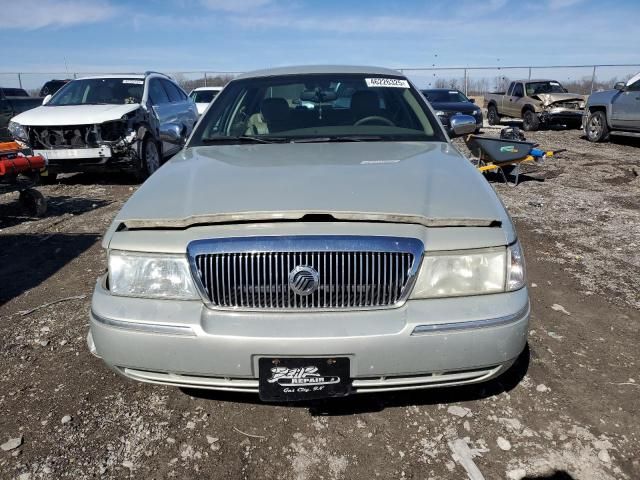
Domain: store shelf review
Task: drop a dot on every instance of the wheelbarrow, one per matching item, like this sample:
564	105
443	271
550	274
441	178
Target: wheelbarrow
504	156
20	172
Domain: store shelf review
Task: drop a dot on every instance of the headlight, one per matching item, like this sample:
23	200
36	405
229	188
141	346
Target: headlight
18	131
135	274
516	272
470	272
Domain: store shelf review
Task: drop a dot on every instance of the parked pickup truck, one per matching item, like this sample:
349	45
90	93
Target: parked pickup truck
12	102
538	102
614	112
318	249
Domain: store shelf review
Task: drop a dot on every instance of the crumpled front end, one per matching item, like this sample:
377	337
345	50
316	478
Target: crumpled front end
560	106
68	147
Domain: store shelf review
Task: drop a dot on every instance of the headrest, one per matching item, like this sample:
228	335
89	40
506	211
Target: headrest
365	102
274	109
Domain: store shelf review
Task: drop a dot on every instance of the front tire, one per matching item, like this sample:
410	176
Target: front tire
596	128
492	115
150	159
530	121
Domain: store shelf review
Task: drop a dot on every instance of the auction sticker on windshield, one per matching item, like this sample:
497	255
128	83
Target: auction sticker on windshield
387	82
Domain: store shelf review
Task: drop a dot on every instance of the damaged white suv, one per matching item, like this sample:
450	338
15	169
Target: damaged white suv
107	121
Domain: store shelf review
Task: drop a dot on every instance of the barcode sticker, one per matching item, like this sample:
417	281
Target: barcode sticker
387	82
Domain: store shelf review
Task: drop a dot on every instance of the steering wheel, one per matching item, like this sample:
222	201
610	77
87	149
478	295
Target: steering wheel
384	120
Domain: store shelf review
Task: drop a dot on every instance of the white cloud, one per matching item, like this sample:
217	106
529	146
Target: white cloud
346	24
34	14
234	5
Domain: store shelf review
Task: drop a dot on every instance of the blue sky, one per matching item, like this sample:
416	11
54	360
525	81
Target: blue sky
228	35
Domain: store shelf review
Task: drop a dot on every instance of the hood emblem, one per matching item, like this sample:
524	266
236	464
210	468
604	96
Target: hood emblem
304	280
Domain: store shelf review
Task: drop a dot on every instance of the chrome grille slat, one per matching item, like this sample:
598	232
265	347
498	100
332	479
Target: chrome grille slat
349	277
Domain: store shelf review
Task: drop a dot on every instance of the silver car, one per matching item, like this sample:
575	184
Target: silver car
303	252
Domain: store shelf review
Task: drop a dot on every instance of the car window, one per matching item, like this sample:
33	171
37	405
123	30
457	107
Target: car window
518	91
635	86
157	93
510	90
315	105
534	88
453	96
15	92
203	96
172	91
99	91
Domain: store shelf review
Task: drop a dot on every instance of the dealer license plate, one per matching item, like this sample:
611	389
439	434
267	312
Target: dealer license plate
294	379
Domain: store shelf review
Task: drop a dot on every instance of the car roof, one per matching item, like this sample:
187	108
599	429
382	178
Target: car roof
202	89
439	90
319	69
120	75
532	80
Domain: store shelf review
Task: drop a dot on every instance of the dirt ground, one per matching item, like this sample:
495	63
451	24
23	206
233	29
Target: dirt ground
569	409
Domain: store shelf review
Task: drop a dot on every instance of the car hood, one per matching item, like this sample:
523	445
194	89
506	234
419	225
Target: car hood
549	98
455	107
602	97
50	115
427	183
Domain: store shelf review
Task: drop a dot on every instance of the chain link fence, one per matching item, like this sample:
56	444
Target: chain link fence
471	80
583	79
32	82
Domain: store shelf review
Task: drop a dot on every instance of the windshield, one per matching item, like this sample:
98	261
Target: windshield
203	96
445	96
317	107
15	92
535	88
99	91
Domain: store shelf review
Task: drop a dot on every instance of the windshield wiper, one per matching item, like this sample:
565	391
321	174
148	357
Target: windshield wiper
342	138
241	139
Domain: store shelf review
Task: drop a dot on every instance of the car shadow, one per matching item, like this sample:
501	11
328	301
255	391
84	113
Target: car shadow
557	475
619	140
26	260
377	402
550	127
13	213
108	177
494	177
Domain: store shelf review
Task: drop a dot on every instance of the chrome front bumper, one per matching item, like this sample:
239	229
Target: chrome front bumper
424	343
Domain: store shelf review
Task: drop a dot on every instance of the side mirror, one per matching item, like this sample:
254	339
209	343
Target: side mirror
46	99
172	133
472	100
462	125
620	86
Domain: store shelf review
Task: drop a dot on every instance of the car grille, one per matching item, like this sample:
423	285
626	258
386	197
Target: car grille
340	272
569	105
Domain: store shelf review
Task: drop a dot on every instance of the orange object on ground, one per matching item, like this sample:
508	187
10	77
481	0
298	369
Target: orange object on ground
12	161
9	147
21	164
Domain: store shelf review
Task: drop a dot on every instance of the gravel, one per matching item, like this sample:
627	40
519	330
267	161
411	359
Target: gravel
569	408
